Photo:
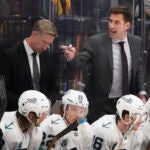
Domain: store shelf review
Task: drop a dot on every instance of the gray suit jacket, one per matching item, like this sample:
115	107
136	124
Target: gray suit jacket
98	53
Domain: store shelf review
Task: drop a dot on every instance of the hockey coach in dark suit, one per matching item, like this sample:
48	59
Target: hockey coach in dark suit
29	65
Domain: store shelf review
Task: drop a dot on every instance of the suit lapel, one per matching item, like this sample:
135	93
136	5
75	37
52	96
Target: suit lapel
25	63
133	51
109	51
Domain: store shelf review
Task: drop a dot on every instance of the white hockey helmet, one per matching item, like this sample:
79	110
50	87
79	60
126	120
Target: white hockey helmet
33	101
74	97
130	103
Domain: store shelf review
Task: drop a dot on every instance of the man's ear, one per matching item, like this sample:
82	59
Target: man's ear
126	118
43	116
128	25
32	116
34	33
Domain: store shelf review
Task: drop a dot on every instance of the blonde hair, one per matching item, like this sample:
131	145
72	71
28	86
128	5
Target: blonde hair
45	26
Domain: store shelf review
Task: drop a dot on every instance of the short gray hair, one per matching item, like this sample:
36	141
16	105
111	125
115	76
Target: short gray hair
44	26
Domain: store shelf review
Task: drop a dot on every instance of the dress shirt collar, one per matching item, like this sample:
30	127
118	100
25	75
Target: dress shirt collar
115	41
28	48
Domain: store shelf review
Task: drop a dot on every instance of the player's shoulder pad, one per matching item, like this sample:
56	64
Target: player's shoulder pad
10	127
53	123
104	122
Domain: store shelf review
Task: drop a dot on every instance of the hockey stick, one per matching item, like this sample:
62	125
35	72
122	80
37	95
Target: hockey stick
62	133
126	134
3	97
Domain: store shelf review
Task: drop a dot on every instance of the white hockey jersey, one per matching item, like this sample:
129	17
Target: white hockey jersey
13	136
80	139
146	137
107	135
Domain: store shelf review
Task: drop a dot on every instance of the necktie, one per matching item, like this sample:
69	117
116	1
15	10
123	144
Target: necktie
36	73
125	86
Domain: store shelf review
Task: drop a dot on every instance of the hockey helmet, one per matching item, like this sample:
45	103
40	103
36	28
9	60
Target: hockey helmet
74	97
130	103
33	101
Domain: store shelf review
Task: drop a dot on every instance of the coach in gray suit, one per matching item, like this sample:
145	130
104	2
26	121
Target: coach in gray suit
102	52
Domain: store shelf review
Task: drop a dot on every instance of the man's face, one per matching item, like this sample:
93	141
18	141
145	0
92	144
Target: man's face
117	26
41	42
136	120
73	113
36	120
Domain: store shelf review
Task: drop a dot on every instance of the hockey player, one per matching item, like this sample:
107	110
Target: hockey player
119	132
20	128
74	106
146	129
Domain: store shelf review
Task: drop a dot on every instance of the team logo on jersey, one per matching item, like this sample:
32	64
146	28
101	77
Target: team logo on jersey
55	121
106	125
9	126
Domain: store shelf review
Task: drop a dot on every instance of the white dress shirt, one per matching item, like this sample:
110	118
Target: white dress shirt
116	89
29	52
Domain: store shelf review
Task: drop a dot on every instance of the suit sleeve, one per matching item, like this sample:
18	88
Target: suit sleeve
140	69
83	58
5	70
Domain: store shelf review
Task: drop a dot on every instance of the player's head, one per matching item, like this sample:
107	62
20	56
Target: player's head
120	19
45	26
75	105
130	106
43	34
33	105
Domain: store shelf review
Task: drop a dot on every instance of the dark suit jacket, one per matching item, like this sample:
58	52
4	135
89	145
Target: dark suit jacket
14	66
98	53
